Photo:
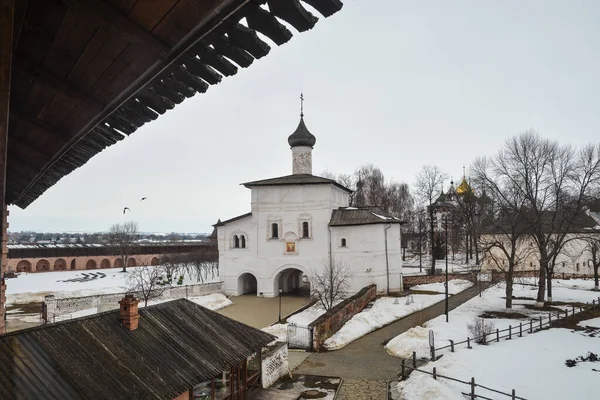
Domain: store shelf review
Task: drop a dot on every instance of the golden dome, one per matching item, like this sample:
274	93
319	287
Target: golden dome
464	188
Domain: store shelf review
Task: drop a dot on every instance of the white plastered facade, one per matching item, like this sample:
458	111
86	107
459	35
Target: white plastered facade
293	208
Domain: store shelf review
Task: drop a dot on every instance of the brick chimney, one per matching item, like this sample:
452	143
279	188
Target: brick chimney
128	312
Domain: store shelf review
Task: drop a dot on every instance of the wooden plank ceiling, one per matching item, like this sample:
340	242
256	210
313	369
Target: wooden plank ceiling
87	73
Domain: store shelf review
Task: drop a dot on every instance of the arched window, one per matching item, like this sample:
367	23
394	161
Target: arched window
274	231
236	241
243	241
343	242
305	233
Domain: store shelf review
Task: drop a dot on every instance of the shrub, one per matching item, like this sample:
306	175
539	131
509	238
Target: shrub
480	329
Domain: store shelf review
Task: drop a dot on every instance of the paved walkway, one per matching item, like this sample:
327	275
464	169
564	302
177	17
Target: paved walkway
364	364
259	312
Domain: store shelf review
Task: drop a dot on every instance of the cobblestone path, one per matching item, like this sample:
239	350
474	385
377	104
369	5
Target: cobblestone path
364	364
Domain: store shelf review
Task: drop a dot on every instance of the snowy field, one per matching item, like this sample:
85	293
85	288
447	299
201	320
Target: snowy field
533	365
32	287
517	364
492	299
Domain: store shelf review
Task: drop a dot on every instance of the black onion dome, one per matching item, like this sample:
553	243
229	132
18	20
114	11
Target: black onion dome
302	137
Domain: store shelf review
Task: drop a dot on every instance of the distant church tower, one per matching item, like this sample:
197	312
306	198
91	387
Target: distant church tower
302	143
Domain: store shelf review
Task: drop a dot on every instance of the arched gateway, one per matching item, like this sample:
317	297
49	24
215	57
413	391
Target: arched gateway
293	281
247	284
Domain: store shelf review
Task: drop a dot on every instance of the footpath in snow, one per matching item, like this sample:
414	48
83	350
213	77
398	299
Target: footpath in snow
381	312
386	310
510	364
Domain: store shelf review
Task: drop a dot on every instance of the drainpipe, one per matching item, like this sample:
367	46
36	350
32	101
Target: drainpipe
387	263
330	257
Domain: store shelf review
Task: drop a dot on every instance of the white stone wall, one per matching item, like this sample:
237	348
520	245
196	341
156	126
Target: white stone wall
274	363
302	160
289	206
104	301
573	258
365	254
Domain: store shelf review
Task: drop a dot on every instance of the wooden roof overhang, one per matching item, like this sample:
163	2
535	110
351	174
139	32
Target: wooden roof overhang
87	73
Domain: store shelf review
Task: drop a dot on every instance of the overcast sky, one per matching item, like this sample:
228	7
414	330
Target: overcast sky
395	83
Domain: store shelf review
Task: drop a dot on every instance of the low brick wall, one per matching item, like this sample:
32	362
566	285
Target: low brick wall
332	321
69	305
498	276
413	280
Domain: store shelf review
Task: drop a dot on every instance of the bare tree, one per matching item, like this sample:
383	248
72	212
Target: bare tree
428	186
504	238
555	182
123	238
148	282
592	247
330	285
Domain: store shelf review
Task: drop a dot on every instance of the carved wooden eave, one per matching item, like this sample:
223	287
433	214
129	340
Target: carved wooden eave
152	57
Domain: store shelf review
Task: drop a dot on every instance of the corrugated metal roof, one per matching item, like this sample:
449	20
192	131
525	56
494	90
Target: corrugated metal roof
361	216
178	344
221	223
296	179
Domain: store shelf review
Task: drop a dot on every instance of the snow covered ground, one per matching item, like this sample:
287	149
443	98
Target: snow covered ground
32	287
592	323
492	299
533	365
454	286
303	318
509	364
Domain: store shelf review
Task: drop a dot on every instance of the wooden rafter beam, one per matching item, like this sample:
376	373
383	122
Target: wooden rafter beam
32	123
30	71
115	21
20	13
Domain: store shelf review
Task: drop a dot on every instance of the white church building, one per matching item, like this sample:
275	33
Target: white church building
300	223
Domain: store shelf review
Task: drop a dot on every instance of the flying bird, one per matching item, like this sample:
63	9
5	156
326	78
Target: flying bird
126	209
143	198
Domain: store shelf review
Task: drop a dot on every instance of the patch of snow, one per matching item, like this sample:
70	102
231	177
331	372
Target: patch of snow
304	318
422	386
380	216
454	286
593	323
279	330
415	339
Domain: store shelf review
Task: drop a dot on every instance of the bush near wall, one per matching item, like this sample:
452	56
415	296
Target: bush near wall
414	280
332	321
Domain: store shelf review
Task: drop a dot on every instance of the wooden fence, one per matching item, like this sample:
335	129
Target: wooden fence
472	385
534	325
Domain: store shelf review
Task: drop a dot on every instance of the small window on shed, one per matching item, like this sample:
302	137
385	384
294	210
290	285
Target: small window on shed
236	241
577	266
343	242
243	240
274	231
305	231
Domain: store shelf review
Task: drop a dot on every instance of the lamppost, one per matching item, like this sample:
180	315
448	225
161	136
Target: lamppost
446	301
279	319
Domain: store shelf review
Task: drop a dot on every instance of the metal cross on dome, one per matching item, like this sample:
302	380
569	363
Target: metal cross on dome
301	105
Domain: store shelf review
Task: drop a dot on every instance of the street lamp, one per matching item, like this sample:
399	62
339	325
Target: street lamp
446	301
279	319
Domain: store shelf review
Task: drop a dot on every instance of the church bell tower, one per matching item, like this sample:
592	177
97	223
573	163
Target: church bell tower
302	143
